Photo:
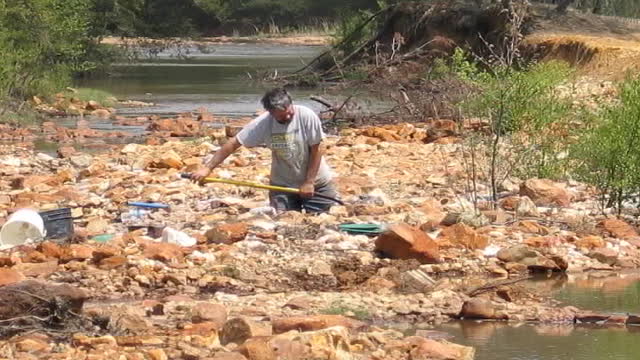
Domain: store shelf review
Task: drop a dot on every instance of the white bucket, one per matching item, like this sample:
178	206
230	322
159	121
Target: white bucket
21	226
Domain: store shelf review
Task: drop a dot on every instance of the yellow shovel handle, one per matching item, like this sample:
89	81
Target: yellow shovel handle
250	184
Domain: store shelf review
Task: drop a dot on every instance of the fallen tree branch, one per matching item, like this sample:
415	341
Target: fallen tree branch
322	101
489	287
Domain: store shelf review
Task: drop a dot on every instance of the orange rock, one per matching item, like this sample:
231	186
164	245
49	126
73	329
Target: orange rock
427	349
545	192
34	256
112	262
10	276
465	236
169	159
510	203
590	242
533	227
402	241
76	252
209	312
164	252
51	250
618	228
227	233
105	251
313	323
258	348
66	151
43	269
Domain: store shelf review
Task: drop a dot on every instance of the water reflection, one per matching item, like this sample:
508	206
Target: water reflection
613	293
502	341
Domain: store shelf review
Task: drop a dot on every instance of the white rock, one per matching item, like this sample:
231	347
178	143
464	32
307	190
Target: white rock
200	255
44	157
173	236
10	161
491	250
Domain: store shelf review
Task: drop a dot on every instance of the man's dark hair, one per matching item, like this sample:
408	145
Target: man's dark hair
276	99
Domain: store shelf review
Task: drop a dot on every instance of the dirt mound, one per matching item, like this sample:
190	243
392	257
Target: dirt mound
592	55
600	46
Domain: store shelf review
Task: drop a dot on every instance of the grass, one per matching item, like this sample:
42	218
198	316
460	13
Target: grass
13	114
316	27
337	308
103	97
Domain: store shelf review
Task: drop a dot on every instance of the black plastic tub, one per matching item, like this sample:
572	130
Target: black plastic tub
58	223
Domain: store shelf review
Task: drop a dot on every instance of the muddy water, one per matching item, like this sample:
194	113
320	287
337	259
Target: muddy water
500	341
215	79
602	293
598	292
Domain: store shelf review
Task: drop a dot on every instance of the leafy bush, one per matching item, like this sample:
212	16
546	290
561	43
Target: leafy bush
608	155
42	43
527	121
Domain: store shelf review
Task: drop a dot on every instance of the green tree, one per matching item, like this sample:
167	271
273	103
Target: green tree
42	43
608	156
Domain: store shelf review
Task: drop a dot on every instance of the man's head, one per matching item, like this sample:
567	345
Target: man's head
278	103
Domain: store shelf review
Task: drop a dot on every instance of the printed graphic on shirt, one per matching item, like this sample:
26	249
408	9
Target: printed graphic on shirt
283	145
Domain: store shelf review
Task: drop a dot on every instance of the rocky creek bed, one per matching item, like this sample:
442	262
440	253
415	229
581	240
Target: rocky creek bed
259	285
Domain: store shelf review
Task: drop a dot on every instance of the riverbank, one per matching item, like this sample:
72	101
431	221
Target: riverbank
272	269
310	40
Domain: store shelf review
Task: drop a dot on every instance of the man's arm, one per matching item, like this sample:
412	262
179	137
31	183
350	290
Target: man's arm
315	157
227	149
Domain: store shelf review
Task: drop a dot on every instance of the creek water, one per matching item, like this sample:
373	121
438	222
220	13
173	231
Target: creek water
607	294
218	80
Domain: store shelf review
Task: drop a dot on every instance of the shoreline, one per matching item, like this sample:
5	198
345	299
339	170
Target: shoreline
308	40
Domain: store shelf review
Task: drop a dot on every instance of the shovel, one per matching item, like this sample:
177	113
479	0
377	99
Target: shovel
260	186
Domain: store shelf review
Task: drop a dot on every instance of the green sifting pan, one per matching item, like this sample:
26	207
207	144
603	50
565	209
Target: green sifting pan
372	229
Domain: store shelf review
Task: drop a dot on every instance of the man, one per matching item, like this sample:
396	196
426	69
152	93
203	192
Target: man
294	135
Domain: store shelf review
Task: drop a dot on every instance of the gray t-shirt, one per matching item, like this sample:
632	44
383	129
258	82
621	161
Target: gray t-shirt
289	144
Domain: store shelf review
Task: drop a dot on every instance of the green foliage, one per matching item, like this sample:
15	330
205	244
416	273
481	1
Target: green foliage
337	308
608	155
527	121
459	65
102	97
352	31
516	100
42	42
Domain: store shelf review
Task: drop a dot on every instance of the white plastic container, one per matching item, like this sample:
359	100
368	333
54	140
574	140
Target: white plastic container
23	225
177	237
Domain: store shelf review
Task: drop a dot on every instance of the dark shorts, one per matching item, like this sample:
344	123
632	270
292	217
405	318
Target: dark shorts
288	202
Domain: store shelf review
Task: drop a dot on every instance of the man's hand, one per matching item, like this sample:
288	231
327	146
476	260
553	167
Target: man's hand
200	175
307	189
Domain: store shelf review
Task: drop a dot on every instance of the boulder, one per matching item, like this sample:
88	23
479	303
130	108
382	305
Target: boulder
402	241
238	330
426	349
617	228
604	255
478	308
516	253
209	312
545	192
